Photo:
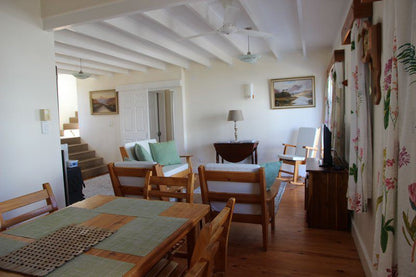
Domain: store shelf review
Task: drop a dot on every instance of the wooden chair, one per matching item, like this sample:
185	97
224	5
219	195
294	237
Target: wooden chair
25	200
306	147
128	178
169	187
247	184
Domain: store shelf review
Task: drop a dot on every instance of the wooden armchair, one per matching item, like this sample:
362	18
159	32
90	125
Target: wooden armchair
25	200
306	147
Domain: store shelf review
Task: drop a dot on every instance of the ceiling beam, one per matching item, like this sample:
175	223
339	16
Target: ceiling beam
55	17
85	54
86	42
106	33
271	42
75	68
214	21
90	64
300	22
140	30
183	30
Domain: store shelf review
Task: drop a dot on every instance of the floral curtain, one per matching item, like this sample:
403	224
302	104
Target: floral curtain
360	156
395	226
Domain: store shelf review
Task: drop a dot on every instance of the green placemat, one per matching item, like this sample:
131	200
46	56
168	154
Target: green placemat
92	266
9	245
48	224
134	207
141	235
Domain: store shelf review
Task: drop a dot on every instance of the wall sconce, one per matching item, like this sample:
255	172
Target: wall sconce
44	118
249	91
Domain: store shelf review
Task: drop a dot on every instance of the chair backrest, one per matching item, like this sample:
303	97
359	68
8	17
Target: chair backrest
245	182
127	151
210	252
128	178
25	200
307	137
169	187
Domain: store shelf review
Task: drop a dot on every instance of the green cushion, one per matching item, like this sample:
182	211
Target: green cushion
165	153
126	159
142	154
271	170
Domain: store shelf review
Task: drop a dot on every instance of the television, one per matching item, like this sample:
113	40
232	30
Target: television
326	143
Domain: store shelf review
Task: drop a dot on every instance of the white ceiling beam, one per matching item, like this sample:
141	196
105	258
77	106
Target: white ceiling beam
75	68
214	21
84	54
106	33
90	64
56	18
271	42
300	22
183	30
141	31
82	41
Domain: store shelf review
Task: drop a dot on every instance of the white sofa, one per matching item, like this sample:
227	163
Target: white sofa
175	170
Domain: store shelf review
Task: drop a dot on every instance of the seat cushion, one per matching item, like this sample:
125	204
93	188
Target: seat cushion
130	146
142	154
291	157
165	153
169	170
138	164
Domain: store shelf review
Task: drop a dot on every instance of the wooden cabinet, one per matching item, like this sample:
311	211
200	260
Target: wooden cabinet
325	197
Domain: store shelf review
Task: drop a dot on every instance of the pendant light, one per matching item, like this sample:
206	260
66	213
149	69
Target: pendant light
249	58
80	74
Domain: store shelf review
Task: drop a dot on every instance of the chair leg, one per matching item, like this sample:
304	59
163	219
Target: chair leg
265	234
296	174
272	215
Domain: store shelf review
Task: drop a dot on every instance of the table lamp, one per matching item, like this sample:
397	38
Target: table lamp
235	115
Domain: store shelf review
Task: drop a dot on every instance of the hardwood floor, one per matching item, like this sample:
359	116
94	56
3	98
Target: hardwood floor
295	249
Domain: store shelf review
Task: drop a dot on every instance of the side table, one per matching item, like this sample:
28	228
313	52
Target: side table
236	151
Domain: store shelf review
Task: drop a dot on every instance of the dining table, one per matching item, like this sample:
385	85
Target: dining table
142	233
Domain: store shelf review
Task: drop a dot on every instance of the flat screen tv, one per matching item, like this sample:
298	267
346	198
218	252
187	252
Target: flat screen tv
326	142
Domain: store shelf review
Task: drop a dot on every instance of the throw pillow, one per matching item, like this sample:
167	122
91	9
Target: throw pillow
271	170
142	154
165	153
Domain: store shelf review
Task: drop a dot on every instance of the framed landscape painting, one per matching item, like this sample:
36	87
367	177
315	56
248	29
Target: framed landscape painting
104	102
297	92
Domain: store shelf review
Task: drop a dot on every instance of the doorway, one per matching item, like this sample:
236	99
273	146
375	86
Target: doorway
161	125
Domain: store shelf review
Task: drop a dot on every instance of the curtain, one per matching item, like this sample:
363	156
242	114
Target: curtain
395	223
360	156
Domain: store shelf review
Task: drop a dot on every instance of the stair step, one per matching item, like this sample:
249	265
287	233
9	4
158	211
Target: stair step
74	140
73	120
94	171
82	155
73	148
70	126
87	163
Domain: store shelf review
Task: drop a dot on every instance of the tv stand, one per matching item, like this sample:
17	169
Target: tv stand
325	197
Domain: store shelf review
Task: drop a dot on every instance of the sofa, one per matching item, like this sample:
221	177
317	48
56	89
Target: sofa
181	169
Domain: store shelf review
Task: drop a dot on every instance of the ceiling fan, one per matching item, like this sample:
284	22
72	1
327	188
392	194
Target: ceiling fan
228	27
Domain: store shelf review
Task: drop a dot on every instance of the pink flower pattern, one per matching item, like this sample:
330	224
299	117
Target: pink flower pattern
390	183
412	193
404	157
392	271
390	162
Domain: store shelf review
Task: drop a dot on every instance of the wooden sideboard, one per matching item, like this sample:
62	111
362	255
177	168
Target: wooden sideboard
325	197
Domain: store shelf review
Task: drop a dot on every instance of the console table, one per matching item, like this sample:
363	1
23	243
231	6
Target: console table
236	151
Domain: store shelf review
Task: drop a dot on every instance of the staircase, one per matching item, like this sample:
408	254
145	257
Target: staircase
90	165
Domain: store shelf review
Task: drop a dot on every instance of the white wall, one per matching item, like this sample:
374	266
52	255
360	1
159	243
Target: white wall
68	102
211	92
27	84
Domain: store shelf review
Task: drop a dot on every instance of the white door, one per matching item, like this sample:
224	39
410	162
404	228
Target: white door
134	115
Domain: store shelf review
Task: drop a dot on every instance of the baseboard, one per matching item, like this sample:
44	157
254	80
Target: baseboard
362	251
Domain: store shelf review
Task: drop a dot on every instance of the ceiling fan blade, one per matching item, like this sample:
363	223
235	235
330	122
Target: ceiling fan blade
253	33
199	35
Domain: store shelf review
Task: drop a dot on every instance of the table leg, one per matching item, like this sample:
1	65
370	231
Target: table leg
217	157
255	156
190	243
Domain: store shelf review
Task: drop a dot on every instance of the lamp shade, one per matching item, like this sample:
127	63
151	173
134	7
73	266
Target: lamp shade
235	115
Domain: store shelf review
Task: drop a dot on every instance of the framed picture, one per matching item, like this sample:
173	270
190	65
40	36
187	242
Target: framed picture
297	92
104	102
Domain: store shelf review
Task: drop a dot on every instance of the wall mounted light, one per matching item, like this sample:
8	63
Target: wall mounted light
249	91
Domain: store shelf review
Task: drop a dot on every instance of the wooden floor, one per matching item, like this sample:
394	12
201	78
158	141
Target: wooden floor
294	249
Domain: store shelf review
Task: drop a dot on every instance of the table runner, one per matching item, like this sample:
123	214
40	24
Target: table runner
47	224
141	235
134	207
9	245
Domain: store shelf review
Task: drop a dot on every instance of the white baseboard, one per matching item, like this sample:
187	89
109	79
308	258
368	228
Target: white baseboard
362	251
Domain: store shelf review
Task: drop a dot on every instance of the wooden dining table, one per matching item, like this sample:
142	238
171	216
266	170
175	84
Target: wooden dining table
117	214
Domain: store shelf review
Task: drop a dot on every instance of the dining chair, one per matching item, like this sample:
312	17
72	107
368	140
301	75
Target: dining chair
306	147
247	184
45	194
181	188
128	178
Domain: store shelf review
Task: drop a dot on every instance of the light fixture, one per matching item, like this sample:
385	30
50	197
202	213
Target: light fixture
235	115
80	74
249	91
249	58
